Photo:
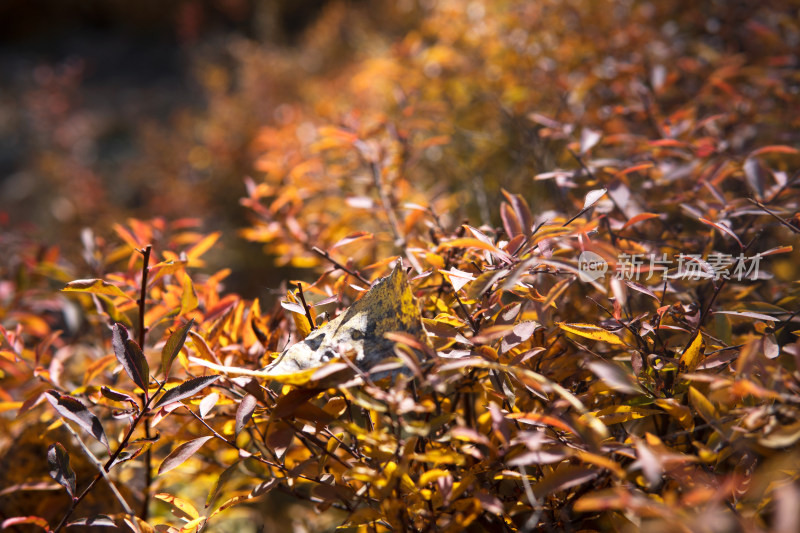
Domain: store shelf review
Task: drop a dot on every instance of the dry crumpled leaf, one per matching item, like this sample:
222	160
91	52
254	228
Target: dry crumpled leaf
389	306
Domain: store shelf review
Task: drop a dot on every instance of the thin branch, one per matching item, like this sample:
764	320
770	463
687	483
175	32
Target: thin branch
305	307
148	454
337	264
773	215
94	460
386	204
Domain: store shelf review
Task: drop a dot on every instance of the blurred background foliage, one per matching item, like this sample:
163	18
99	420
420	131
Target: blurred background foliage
110	109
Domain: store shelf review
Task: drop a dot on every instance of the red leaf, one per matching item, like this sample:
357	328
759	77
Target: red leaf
773	149
723	229
639	218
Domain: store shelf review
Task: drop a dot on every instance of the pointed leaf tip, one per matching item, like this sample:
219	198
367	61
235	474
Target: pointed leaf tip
188	388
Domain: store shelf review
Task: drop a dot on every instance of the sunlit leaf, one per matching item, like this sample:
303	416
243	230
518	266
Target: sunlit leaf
591	332
693	354
179	455
94	286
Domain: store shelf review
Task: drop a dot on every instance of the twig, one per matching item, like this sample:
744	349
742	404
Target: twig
99	465
337	264
146	401
386	204
143	291
305	307
773	215
148	454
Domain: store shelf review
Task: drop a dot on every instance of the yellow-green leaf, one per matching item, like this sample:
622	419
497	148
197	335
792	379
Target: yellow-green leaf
94	286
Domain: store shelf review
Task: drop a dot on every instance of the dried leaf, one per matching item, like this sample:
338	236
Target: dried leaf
615	377
100	520
592	197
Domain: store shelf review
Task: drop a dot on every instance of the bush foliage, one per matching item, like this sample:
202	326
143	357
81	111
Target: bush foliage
492	147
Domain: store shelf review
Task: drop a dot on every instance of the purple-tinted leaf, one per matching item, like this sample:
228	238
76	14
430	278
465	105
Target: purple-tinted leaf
58	460
72	409
748	314
245	412
100	520
173	346
589	138
641	288
130	356
208	403
115	395
188	388
538	457
180	454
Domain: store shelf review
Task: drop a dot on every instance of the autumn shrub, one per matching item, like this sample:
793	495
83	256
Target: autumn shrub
597	207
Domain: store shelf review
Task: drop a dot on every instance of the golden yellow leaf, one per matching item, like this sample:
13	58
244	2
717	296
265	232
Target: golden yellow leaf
693	354
180	504
591	332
